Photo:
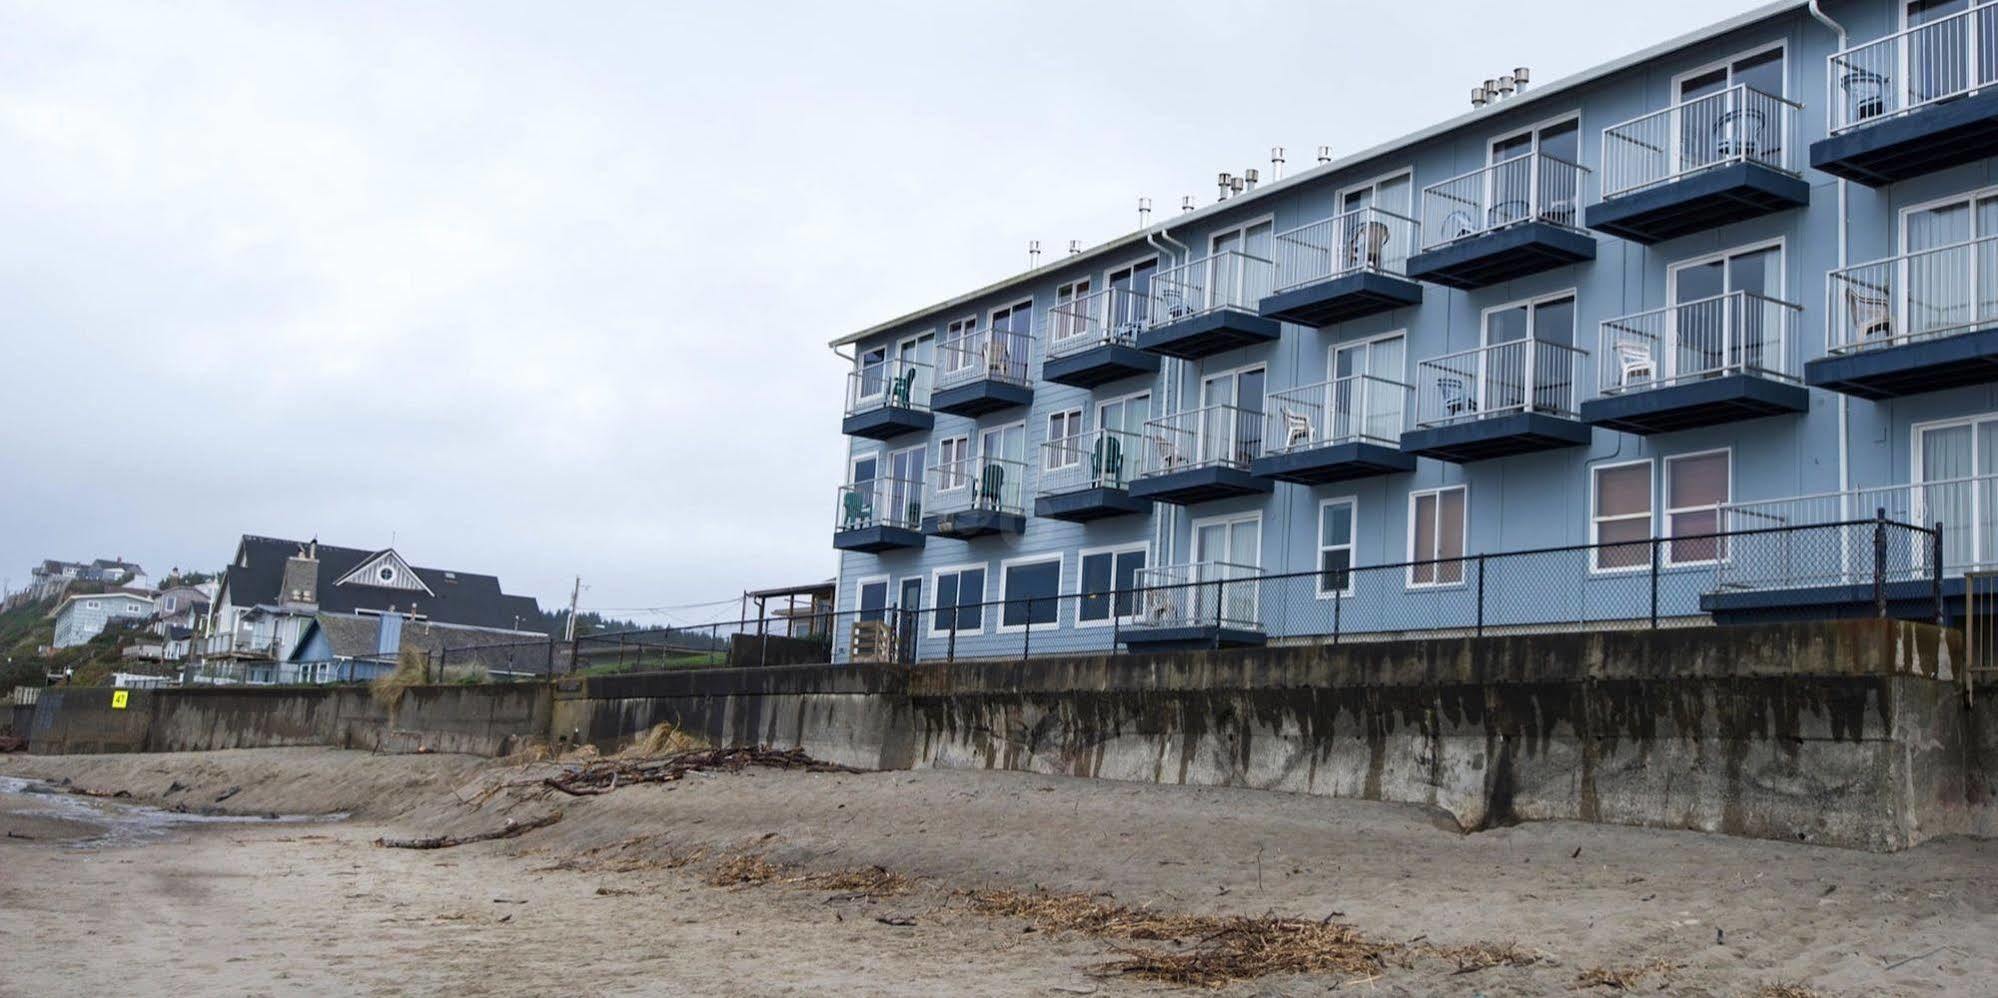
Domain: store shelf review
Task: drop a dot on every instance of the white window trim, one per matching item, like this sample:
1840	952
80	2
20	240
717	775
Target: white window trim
860	585
964	455
1968	198
1728	63
1650	515
1332	354
1240	229
860	366
1102	404
1000	428
887	465
1915	445
1058	560
954	331
903	581
1778	243
1230	519
1532	315
1534	130
1339	196
1464	575
1111	618
1352	547
853	465
1073	418
1665	505
1236	373
1025	305
1110	273
984	613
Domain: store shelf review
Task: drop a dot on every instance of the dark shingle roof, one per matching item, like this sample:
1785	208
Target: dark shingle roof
256	577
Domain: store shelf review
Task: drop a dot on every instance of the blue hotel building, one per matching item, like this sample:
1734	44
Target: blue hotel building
1748	276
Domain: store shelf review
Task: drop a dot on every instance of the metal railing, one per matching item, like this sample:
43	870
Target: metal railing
1199	594
1229	279
882	502
1358	408
1215	435
896	384
1928	294
1534	187
1966	507
1096	459
1519	376
1913	69
1369	239
984	355
1736	333
1737	125
1109	316
983	483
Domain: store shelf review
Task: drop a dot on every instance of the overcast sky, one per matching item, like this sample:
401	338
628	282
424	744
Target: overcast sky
544	290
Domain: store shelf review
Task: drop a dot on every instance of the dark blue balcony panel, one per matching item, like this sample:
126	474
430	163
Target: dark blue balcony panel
1183	488
1911	368
1515	251
1209	333
966	524
1934	138
877	539
1907	599
1190	638
1702	201
1333	463
1684	406
1099	365
1085	505
980	397
1495	436
888	422
1342	298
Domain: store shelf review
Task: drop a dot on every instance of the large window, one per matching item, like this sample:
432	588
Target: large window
1033	593
1062	426
1436	537
960	595
1696	485
1620	516
1066	319
959	353
1335	547
952	470
1104	573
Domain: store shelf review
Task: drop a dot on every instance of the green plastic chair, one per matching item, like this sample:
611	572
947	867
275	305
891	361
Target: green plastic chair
991	484
858	511
1106	463
898	397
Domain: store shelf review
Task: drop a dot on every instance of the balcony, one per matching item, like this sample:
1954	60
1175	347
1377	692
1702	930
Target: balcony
1914	102
1205	306
1919	322
1768	569
1343	268
1496	401
1203	605
887	400
1699	164
976	497
983	371
1093	340
1201	455
1505	221
885	514
1088	476
1336	431
1700	363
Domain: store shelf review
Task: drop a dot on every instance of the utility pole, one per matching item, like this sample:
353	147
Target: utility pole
575	596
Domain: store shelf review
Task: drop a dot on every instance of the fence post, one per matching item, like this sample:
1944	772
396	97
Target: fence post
1027	636
950	653
1481	595
1220	593
1935	574
1338	602
1654	582
550	673
1880	562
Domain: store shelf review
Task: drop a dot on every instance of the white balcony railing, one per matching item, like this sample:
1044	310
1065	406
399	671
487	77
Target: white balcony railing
1355	409
1966	507
1229	279
1735	333
1535	187
883	502
1212	436
1369	239
1101	318
1520	376
899	384
1737	125
1924	295
995	484
1200	594
1913	69
1098	459
984	355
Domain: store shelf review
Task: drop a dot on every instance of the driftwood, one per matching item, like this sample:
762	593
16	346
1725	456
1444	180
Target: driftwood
507	831
604	777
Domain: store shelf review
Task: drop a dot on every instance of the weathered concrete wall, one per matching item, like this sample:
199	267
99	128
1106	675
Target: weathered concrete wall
21	717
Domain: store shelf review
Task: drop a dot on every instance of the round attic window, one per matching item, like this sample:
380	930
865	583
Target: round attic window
386	573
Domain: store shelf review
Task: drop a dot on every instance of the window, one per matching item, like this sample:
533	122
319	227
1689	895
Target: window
960	599
1390	193
1012	329
1033	593
1621	512
1504	381
1696	486
1003	443
1335	547
1070	316
1125	415
1233	278
871	364
1066	453
873	596
1436	537
1104	573
1130	298
953	469
960	349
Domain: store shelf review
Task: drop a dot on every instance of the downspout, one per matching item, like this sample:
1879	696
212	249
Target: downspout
1844	402
1166	528
839	563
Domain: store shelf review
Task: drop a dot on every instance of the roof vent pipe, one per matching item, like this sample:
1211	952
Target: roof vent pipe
1276	163
1324	155
1033	253
1144	212
1075	247
1224	181
1186	203
1479	97
1248	179
1521	77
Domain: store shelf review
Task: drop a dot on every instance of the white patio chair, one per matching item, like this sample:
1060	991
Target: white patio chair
1297	429
1635	364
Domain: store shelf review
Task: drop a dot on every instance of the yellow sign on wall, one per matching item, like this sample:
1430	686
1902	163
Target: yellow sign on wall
119	698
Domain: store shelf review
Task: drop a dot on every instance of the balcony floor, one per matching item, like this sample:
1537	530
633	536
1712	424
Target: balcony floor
966	524
1695	403
1190	638
888	422
1911	368
1495	436
1099	365
1088	505
877	539
1702	201
1491	257
1342	462
980	397
1943	135
1910	599
1194	485
1352	296
1209	333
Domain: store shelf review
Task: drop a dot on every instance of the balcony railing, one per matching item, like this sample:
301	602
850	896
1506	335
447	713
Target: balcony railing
900	384
1200	594
243	643
1735	333
1966	507
1369	239
1912	69
1355	409
1098	459
1229	279
1535	187
883	502
984	355
1109	316
994	484
1916	296
1213	436
1520	376
1737	125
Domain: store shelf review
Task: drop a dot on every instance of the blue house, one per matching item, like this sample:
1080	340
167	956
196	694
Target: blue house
1744	280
